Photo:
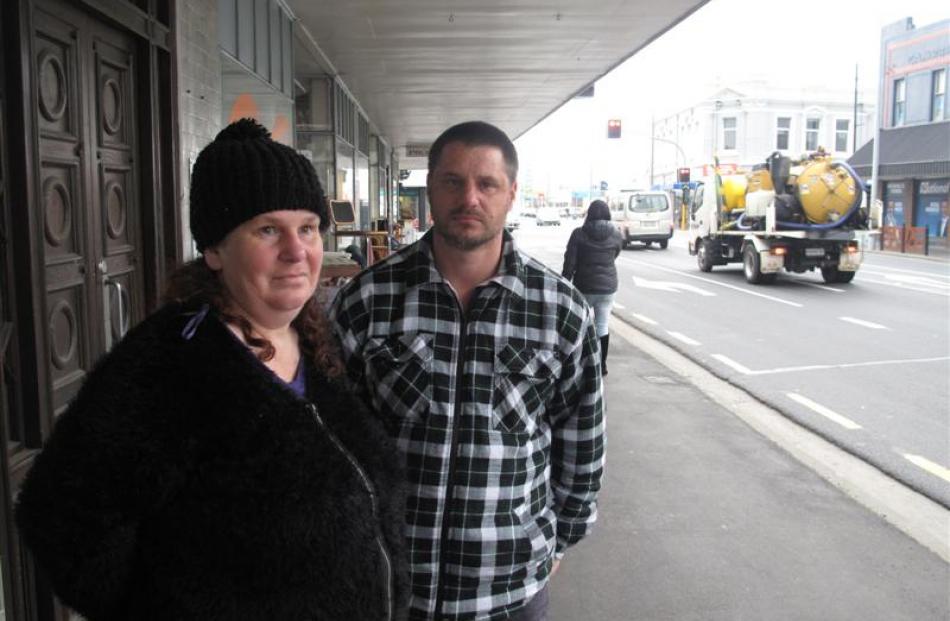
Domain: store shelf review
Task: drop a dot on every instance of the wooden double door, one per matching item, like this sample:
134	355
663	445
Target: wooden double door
88	192
86	104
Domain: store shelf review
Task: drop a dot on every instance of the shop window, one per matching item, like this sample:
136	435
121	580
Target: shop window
344	172
894	204
939	99
729	133
900	102
318	148
812	127
783	125
361	192
842	127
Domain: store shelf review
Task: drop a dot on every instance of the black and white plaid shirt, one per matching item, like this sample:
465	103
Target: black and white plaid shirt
499	413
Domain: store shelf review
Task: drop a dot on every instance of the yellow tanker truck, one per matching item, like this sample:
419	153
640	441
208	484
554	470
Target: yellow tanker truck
794	215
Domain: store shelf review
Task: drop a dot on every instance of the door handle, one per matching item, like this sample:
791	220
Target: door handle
120	301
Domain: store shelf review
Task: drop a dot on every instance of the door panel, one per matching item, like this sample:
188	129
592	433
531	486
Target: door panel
63	200
118	205
87	110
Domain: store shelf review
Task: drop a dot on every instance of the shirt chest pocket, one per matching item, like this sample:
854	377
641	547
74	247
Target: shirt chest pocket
525	379
400	372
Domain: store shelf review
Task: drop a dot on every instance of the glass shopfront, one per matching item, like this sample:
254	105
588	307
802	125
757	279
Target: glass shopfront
894	203
931	206
362	194
318	148
344	172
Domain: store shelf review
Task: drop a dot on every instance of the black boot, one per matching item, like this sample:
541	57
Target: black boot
604	342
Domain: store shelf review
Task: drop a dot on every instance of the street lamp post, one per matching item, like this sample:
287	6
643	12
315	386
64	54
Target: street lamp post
667	141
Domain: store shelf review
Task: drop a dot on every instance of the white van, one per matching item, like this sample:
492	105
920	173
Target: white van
642	216
548	215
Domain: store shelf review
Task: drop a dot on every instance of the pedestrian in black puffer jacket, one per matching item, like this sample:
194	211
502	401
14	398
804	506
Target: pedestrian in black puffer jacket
589	262
213	467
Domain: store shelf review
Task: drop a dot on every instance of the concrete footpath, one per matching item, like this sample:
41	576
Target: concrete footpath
703	517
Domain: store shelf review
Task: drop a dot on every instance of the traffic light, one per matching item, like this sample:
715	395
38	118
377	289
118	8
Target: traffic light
682	175
613	128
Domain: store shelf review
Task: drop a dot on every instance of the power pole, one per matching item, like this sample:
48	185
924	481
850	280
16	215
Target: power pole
854	126
652	142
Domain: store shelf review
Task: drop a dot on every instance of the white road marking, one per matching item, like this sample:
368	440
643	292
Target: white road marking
817	286
918	280
682	337
929	466
729	362
673	287
771	298
619	306
845	422
877	269
866	324
822	367
900	285
643	318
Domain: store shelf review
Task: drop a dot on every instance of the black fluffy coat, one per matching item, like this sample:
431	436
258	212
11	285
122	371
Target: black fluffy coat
590	256
185	482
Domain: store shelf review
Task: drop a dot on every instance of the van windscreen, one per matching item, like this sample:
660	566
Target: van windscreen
646	203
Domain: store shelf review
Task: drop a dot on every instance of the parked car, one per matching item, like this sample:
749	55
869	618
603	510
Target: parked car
645	217
513	220
548	215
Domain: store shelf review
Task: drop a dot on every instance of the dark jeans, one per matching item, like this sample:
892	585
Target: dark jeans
535	610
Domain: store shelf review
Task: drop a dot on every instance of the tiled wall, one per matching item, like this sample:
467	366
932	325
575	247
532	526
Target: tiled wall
199	90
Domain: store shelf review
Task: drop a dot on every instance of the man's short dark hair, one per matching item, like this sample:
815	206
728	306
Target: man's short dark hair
476	133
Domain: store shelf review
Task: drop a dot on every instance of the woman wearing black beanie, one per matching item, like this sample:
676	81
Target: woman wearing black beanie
589	262
213	466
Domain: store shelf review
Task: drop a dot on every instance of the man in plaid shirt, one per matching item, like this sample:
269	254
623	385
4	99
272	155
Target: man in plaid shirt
485	365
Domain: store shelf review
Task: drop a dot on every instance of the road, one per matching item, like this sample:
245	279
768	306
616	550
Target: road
865	365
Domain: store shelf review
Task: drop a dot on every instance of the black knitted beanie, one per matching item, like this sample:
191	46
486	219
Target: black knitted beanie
244	173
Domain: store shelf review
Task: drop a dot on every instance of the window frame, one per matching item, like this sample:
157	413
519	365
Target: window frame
783	132
842	134
812	133
938	98
899	116
734	130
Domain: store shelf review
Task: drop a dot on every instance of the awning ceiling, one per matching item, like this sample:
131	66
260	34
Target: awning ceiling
418	66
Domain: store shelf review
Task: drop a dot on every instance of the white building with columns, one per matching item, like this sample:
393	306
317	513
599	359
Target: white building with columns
744	124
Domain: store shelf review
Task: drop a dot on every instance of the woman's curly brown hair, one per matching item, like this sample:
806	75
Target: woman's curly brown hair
196	282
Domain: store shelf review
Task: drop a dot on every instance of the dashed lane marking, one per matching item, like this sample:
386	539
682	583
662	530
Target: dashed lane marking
643	318
831	415
866	324
929	466
729	362
683	338
817	286
619	306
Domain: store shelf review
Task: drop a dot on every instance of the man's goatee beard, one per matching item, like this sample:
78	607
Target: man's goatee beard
463	243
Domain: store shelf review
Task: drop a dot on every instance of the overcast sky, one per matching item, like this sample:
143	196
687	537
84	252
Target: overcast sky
809	43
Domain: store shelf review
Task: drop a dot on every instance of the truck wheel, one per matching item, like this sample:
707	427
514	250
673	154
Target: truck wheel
704	256
834	275
752	267
664	243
